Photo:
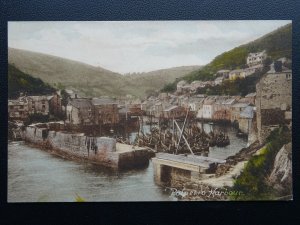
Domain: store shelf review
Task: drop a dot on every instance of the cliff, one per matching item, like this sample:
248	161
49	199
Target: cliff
281	175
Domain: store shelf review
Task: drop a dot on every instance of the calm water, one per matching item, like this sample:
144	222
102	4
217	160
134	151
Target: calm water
38	176
35	175
236	144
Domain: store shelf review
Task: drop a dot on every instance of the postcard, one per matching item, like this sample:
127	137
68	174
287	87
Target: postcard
186	110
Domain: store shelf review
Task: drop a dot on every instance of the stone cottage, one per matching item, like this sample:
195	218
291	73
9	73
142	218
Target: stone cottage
80	111
18	109
273	100
106	111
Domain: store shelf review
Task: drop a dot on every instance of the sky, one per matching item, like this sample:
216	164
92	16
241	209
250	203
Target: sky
137	46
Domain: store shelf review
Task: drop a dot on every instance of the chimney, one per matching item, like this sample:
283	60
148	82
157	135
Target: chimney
278	66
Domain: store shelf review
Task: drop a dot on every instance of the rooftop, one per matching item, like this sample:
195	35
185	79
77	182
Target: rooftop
237	71
81	103
223	71
171	108
103	101
240	105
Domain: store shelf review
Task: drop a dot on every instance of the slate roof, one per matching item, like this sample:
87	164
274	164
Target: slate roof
171	108
38	97
81	103
240	105
103	101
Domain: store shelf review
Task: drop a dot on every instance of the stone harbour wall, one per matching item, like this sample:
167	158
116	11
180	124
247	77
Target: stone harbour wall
101	150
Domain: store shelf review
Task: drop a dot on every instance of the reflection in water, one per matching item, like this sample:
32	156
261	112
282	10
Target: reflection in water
236	143
35	175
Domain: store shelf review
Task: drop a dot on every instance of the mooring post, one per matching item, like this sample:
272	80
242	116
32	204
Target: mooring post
181	133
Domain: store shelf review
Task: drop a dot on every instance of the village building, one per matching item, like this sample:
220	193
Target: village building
55	104
195	103
222	108
247	72
183	86
106	111
148	106
243	73
136	110
18	109
195	85
236	110
286	62
28	105
244	100
223	73
251	98
158	109
183	101
175	112
234	74
256	58
72	94
80	111
37	104
208	108
163	96
124	114
273	100
219	80
245	119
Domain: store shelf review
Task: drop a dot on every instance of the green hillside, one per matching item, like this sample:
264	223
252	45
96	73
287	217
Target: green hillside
92	81
21	82
277	44
63	73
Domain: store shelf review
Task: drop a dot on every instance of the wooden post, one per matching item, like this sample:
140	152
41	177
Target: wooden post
189	147
181	131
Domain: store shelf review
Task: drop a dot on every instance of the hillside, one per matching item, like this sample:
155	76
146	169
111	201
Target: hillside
60	72
21	82
155	80
91	81
277	44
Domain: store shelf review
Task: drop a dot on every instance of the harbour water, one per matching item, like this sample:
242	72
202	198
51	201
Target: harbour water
38	176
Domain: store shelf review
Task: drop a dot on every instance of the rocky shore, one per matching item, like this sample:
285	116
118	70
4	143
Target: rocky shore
215	187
